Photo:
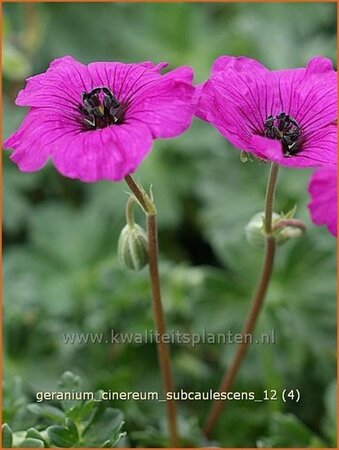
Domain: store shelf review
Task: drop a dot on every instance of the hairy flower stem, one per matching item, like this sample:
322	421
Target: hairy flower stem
283	223
129	212
137	192
269	199
162	347
257	301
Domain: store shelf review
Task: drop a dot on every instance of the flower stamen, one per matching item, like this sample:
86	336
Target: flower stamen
286	129
100	109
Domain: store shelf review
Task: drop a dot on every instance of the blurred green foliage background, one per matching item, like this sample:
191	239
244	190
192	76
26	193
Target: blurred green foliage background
60	260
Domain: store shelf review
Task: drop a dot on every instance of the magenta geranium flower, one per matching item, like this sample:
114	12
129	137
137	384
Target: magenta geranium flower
98	121
323	191
285	116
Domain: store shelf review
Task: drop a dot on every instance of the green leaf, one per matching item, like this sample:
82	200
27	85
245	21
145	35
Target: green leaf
288	431
31	443
70	383
33	433
49	412
330	416
14	399
7	437
81	412
63	436
106	426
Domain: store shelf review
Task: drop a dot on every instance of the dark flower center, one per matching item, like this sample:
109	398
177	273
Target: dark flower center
287	130
100	109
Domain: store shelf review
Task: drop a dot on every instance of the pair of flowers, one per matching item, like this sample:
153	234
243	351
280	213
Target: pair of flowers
98	122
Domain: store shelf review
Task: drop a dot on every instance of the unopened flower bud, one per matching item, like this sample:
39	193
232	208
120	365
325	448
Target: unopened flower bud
254	230
290	232
255	233
133	247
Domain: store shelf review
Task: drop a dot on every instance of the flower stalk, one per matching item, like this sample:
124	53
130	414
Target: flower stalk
130	212
295	223
269	198
257	301
147	204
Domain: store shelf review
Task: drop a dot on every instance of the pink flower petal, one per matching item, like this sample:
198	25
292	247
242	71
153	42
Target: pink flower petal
319	64
59	87
36	137
167	105
107	154
323	191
